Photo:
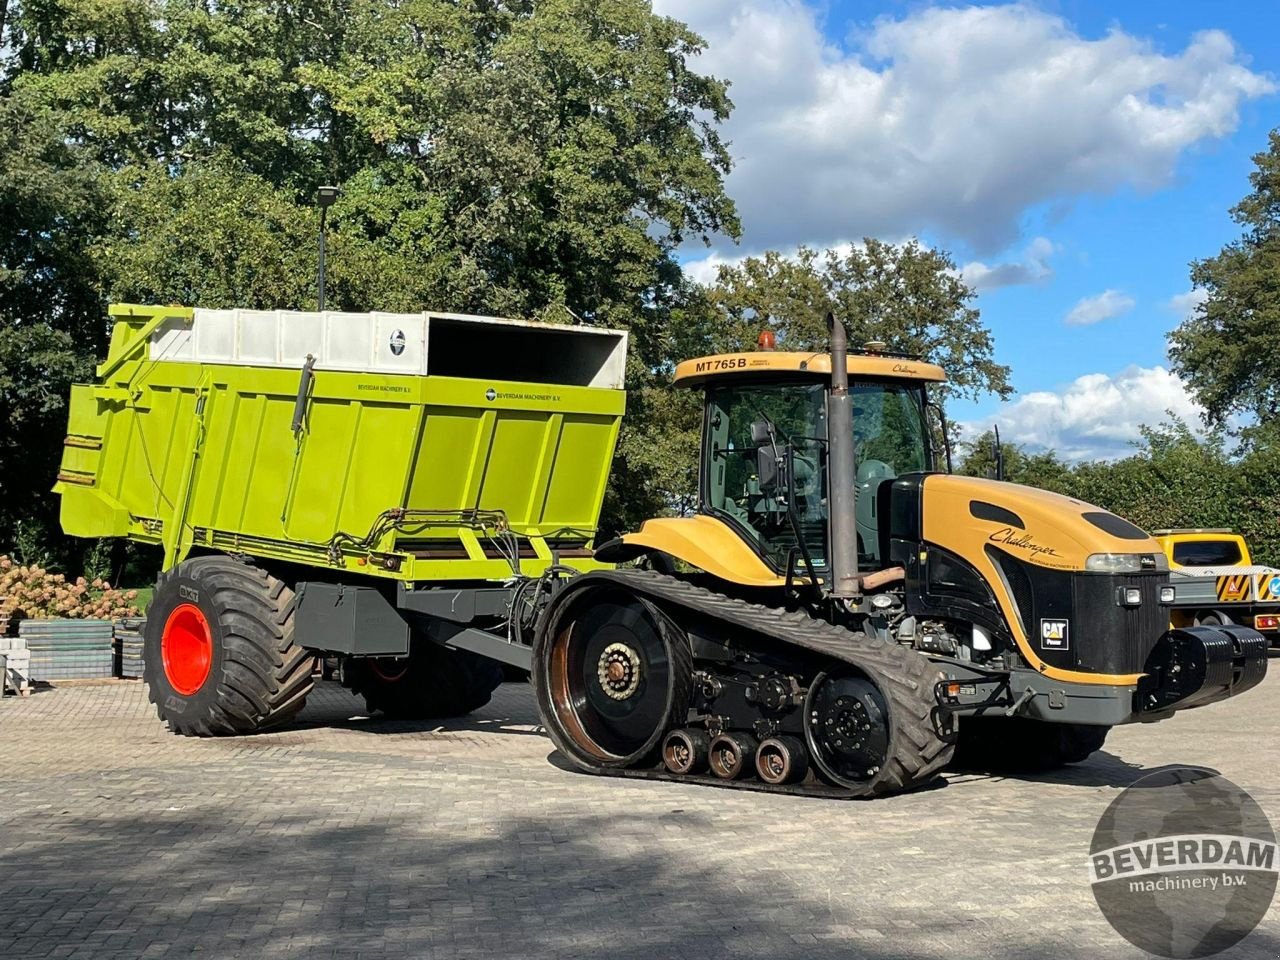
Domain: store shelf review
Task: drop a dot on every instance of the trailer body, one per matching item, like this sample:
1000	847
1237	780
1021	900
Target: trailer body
413	447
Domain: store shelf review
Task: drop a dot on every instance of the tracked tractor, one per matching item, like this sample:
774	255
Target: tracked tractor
838	615
416	496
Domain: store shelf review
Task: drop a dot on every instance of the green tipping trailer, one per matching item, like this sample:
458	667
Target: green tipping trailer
399	490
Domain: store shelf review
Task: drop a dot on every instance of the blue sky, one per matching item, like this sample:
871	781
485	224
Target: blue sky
1073	157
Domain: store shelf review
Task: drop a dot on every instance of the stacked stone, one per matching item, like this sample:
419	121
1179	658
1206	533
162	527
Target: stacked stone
69	649
128	648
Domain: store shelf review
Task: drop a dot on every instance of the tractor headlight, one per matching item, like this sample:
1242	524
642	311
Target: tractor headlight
1114	563
1168	594
1130	596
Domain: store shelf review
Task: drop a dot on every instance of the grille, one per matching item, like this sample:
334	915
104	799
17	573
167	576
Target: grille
1105	637
1112	638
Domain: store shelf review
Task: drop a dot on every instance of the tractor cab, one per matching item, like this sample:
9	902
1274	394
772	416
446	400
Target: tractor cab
765	447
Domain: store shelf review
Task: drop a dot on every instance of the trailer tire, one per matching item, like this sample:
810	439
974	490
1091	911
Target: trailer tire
220	654
433	682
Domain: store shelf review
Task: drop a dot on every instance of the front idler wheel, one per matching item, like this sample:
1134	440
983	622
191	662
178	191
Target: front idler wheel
846	728
685	751
731	755
781	760
612	674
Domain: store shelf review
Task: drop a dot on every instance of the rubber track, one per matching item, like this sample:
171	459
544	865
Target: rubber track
265	675
905	678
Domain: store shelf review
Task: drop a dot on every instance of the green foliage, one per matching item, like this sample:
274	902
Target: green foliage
543	160
37	367
1044	469
908	296
1229	351
217	236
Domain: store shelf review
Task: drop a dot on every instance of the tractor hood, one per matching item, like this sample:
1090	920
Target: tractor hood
1042	528
1059	570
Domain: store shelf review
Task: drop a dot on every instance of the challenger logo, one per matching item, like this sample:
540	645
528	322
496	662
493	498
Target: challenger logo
1021	541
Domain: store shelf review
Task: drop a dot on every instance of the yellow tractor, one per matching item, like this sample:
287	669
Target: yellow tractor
839	613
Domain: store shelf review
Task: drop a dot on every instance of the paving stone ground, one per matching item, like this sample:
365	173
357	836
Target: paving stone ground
344	836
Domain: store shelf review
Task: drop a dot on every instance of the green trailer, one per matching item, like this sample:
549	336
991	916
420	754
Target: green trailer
400	491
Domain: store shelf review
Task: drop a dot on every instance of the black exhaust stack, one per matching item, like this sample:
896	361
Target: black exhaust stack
842	497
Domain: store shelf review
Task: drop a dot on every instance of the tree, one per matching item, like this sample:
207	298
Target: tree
543	160
37	367
908	296
1174	479
1042	469
1229	351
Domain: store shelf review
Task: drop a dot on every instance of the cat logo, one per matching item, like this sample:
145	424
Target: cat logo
1053	635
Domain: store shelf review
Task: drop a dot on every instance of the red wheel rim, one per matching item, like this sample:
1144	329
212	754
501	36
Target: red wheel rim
186	647
389	670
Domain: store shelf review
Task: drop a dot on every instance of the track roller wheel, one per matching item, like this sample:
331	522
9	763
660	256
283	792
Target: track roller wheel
220	653
612	675
732	754
781	760
685	751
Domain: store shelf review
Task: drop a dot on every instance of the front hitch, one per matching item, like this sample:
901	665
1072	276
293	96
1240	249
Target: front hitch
1192	666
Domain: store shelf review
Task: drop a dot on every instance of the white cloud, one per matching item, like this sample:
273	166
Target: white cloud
1186	304
1099	307
1096	416
949	120
707	268
1033	267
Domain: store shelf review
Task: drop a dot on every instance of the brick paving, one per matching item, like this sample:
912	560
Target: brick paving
345	836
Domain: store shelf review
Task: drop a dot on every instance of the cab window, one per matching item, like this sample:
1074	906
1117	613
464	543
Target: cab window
890	436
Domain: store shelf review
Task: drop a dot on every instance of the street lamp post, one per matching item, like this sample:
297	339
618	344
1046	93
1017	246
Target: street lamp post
325	197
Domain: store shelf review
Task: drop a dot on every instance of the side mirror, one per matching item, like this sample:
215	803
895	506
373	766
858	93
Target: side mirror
761	432
766	467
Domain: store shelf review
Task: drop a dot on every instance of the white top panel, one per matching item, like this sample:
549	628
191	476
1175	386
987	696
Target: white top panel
483	347
1236	571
